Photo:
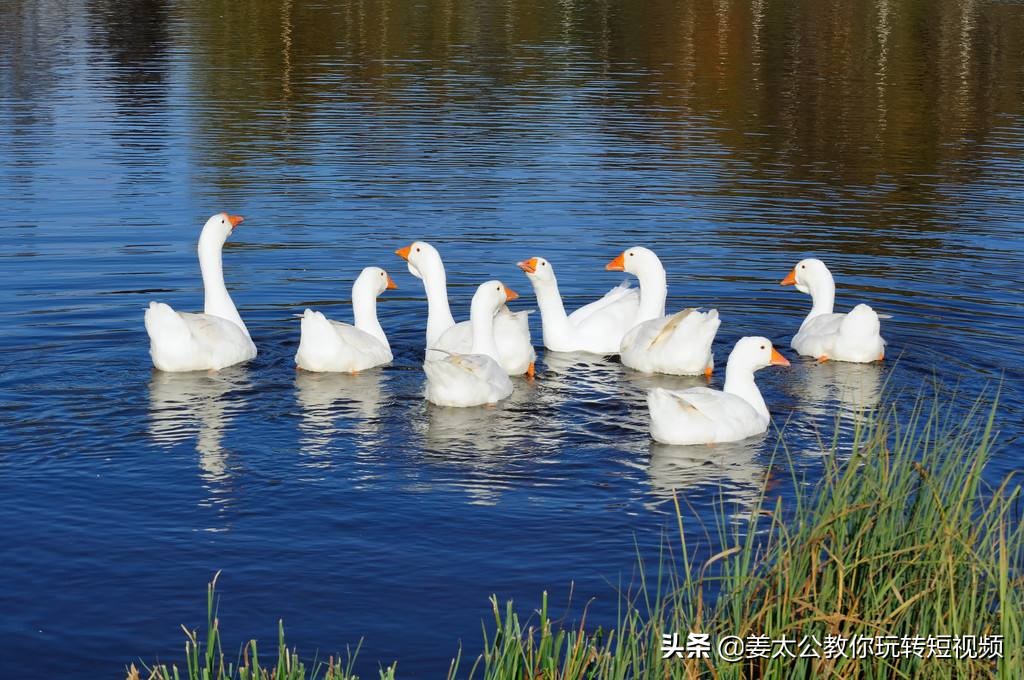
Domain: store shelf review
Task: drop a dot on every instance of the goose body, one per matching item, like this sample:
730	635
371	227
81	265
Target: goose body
515	352
475	378
214	339
596	327
327	345
679	344
511	336
700	415
463	380
676	344
855	336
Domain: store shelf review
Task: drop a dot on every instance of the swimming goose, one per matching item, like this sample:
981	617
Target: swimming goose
677	344
851	337
327	345
476	377
597	327
701	415
512	329
182	341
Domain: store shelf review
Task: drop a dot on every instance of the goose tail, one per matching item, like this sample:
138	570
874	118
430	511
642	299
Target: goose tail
861	323
165	326
316	332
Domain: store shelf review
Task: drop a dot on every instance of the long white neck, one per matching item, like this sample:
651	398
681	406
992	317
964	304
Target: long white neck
364	312
739	380
653	291
217	301
823	296
439	314
481	319
553	320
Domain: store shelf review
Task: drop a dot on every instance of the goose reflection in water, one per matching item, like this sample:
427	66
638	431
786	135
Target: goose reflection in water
590	395
478	434
600	396
486	445
645	382
836	392
582	370
183	405
731	468
336	404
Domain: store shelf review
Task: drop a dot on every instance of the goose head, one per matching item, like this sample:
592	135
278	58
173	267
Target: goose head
423	259
219	227
374	280
636	260
753	353
538	270
809	275
490	296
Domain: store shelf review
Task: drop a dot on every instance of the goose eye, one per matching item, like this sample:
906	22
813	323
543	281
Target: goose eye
803	266
631	254
417	249
543	264
762	346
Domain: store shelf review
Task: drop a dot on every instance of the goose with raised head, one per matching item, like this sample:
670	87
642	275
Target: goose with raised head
476	377
676	344
327	345
701	415
855	336
214	339
596	327
512	329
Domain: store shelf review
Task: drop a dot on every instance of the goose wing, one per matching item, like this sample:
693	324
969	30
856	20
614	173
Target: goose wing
620	302
355	339
209	330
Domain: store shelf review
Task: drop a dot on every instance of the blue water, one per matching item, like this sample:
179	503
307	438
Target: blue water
732	140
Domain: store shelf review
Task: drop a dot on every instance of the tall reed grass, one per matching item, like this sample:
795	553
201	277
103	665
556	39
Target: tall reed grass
900	537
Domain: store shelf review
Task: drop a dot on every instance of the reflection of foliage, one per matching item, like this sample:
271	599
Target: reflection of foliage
868	89
862	113
135	36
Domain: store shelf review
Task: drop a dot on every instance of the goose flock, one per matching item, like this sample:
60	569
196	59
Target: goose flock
471	363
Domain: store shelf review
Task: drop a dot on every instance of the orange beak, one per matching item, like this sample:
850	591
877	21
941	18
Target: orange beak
790	279
528	266
618	264
511	294
778	359
235	220
391	284
404	252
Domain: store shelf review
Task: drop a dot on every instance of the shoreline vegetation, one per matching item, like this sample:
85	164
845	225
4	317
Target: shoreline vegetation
900	537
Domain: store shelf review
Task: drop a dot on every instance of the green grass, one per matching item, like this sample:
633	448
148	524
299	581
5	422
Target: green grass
206	660
899	537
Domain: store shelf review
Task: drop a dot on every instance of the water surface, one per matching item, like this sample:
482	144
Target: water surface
733	138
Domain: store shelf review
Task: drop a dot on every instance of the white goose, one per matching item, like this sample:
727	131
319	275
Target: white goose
475	378
512	329
597	327
181	341
677	344
327	345
851	337
701	415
